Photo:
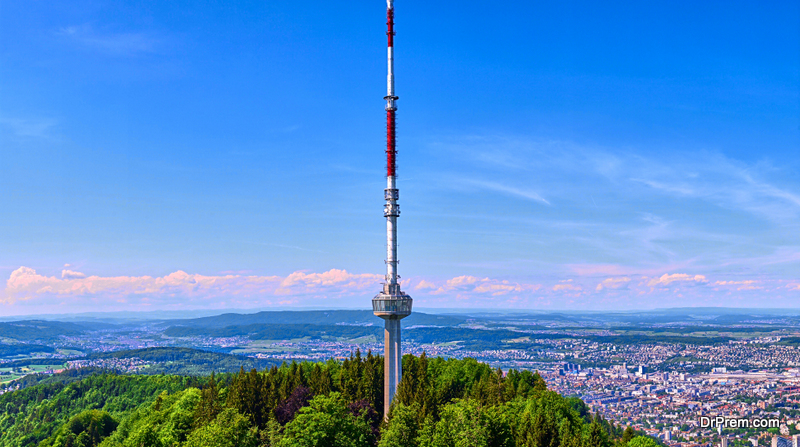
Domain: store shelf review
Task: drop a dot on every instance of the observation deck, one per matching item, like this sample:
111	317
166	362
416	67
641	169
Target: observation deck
392	307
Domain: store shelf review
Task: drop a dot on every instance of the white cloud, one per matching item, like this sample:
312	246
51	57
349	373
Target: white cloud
425	285
69	274
749	284
25	283
567	287
613	283
677	278
81	292
333	280
466	285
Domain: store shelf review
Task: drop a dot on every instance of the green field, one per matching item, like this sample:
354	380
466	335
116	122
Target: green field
22	371
266	346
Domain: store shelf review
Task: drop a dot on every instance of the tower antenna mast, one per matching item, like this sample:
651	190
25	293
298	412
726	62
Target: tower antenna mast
391	303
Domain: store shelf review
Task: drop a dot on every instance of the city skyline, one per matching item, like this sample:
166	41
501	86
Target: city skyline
191	156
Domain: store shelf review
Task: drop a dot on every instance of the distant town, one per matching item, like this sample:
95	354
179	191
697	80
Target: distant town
674	380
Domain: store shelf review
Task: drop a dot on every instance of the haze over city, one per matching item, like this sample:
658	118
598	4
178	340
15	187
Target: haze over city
580	156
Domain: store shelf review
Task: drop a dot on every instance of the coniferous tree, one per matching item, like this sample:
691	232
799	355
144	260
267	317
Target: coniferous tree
320	381
372	381
627	435
210	405
296	377
596	436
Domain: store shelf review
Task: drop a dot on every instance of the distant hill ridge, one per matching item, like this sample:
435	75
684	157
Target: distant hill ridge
175	360
313	317
275	331
38	329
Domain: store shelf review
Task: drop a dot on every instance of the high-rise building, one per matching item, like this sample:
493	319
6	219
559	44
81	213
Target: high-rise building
779	441
391	304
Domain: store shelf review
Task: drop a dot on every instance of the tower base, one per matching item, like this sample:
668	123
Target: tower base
392	362
392	308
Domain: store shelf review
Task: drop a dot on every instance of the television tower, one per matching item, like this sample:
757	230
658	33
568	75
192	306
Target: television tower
391	303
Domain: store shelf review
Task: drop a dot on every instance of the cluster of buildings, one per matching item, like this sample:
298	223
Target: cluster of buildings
115	340
129	365
754	354
9	388
722	407
759	353
668	392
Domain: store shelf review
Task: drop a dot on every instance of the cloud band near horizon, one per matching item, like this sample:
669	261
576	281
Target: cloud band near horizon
26	289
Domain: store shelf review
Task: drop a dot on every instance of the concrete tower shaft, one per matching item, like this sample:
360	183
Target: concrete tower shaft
391	304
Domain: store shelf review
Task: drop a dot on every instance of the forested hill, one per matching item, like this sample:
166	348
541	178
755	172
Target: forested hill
187	361
438	403
161	360
29	330
312	317
275	331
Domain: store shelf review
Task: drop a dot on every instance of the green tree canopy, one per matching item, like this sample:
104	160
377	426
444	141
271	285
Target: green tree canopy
642	441
326	422
439	403
403	427
229	429
86	429
464	423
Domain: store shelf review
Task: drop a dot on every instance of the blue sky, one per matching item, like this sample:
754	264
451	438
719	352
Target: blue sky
579	155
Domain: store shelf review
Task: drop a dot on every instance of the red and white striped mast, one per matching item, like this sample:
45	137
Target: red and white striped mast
392	194
391	303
